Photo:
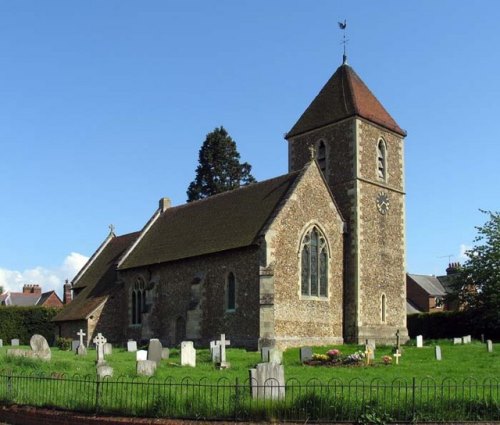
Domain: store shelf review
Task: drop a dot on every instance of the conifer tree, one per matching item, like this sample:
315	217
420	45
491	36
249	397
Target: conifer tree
219	167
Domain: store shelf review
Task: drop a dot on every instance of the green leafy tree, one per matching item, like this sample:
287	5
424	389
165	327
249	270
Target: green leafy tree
477	285
219	167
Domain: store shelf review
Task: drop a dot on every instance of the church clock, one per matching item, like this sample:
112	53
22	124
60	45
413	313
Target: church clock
382	203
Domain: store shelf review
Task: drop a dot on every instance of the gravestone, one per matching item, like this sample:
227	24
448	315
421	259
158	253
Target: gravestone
188	354
306	354
420	341
457	341
104	371
215	351
14	342
275	356
372	344
99	342
1	343
74	345
489	346
466	339
397	355
165	353
108	349
267	381
131	346
146	367
40	347
17	352
438	353
370	349
154	350
141	355
81	350
482	338
264	353
221	347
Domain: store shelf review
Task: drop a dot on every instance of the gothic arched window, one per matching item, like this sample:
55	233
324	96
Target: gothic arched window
322	156
314	264
381	160
383	308
230	292
138	301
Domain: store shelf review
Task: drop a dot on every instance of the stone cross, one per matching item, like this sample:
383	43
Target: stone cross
99	342
81	334
397	355
222	347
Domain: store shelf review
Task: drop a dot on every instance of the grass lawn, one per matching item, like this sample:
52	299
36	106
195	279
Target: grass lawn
459	362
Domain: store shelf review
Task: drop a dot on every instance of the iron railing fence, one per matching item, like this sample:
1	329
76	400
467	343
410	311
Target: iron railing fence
335	400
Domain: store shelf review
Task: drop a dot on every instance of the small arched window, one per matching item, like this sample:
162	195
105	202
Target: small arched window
381	160
314	264
231	292
383	308
322	156
138	301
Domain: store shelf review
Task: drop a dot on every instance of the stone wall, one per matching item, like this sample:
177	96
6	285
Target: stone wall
299	320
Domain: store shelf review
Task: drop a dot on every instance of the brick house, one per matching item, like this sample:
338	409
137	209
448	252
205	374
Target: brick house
315	256
32	295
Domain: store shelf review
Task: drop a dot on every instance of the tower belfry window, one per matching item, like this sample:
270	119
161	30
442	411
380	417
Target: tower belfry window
322	156
381	160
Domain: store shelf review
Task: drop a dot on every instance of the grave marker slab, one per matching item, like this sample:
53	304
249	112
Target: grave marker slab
489	346
466	339
275	356
420	341
165	353
306	354
40	347
141	355
264	353
457	341
154	350
132	346
81	350
267	381
14	342
99	342
74	345
438	353
188	354
146	367
104	371
1	343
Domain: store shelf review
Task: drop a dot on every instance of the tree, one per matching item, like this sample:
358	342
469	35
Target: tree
478	283
219	167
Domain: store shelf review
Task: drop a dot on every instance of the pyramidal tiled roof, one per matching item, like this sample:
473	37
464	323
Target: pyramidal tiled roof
344	95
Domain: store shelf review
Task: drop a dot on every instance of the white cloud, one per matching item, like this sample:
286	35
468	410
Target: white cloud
462	257
48	278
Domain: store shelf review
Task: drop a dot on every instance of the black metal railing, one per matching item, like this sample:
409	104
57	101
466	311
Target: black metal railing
335	400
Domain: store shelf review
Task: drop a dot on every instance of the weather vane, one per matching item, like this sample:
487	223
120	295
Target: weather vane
343	26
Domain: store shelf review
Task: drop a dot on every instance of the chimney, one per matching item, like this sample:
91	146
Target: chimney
32	289
165	204
453	268
67	292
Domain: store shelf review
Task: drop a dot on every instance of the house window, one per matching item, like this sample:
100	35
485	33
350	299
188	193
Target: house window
230	292
314	264
381	160
383	308
138	301
322	157
438	302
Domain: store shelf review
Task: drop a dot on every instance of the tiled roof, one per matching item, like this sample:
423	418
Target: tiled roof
343	96
429	284
411	309
221	222
23	300
45	296
98	281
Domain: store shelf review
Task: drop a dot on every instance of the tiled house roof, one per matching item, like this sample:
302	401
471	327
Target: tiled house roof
221	222
97	281
344	95
21	299
430	284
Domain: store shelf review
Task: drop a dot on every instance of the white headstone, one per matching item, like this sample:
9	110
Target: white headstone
188	354
141	355
397	355
131	346
438	352
420	341
146	367
81	349
14	342
268	381
99	342
489	345
1	343
467	339
108	349
457	341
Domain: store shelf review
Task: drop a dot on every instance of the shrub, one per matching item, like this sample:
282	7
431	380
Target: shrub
24	322
63	343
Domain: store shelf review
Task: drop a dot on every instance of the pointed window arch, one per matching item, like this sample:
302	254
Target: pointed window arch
231	292
314	264
321	156
382	160
138	301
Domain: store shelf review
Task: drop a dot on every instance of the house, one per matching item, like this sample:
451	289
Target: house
32	295
312	257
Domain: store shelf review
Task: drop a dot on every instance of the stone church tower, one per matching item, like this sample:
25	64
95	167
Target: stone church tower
359	148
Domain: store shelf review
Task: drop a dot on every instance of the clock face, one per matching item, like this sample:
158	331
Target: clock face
382	203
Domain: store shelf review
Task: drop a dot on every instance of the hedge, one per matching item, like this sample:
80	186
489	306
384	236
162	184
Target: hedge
23	322
449	324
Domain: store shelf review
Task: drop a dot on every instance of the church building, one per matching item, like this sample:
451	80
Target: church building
312	257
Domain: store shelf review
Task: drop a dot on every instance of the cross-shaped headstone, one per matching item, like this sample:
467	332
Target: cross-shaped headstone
397	355
81	334
99	342
222	347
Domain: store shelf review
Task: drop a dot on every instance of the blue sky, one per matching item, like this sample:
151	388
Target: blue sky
104	106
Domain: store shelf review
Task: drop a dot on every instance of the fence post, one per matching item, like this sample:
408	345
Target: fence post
97	391
236	399
413	395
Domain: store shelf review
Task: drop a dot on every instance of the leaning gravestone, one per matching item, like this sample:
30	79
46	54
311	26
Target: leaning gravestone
267	381
306	354
74	345
154	350
14	342
131	346
489	346
438	353
141	355
420	341
457	341
264	353
188	354
103	371
275	356
40	347
146	367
